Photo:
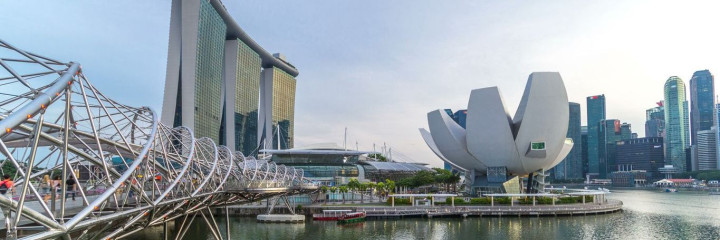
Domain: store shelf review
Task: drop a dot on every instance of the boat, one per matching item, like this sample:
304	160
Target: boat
670	190
714	193
330	215
348	218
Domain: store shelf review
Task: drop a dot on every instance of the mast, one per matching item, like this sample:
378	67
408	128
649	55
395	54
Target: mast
345	140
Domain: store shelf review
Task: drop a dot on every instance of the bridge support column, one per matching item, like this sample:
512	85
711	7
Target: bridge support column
227	222
166	231
492	201
392	199
11	230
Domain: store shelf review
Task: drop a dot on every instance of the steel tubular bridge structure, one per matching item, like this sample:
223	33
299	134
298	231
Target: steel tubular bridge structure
132	171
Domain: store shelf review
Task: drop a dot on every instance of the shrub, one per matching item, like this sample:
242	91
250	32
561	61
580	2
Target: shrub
484	200
457	201
544	200
399	201
502	200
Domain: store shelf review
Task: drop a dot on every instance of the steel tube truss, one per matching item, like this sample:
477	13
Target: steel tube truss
129	170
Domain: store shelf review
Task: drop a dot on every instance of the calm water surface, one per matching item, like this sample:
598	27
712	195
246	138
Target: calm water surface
646	215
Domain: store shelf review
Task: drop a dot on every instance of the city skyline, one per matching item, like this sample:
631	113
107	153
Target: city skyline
333	58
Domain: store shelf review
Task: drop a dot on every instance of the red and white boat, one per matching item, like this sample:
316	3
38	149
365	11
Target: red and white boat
330	215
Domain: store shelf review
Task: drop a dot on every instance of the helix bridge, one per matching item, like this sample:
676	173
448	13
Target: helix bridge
132	171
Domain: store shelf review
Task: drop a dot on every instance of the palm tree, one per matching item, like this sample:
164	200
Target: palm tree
333	189
381	188
353	185
343	190
363	187
324	190
371	186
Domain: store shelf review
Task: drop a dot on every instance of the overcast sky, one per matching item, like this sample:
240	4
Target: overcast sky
377	67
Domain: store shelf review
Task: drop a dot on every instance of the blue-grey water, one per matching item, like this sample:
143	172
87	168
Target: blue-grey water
646	215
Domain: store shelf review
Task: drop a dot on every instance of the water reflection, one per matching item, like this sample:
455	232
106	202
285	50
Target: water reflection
646	215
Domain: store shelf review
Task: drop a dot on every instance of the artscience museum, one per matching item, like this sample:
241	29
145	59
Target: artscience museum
503	153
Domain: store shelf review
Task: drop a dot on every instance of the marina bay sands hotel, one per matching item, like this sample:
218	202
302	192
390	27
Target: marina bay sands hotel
223	85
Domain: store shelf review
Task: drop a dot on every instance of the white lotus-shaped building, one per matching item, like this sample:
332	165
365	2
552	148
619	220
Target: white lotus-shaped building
498	145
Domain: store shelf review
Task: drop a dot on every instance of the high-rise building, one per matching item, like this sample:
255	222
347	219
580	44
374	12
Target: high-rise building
277	113
242	96
213	75
460	117
583	137
595	113
641	154
655	121
676	123
572	166
702	103
611	132
717	135
706	150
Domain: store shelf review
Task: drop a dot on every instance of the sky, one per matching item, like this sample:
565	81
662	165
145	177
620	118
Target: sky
378	67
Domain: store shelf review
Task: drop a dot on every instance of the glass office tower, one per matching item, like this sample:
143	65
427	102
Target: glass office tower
242	72
676	123
702	101
595	113
278	109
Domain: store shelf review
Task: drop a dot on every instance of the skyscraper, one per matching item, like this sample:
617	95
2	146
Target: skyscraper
595	113
655	121
277	111
676	123
706	150
460	117
213	75
242	96
702	101
583	137
611	132
571	167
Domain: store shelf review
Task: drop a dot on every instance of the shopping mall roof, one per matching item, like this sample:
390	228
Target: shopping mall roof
317	149
396	166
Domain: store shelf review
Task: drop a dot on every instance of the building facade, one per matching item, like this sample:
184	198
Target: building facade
612	131
706	150
460	117
213	76
644	154
595	113
655	121
676	123
277	117
572	166
242	96
583	137
702	103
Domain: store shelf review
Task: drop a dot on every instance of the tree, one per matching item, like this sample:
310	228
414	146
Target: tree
362	188
371	187
343	190
390	185
378	156
381	188
353	185
324	190
333	189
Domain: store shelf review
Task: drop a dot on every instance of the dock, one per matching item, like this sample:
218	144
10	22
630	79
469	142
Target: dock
518	210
